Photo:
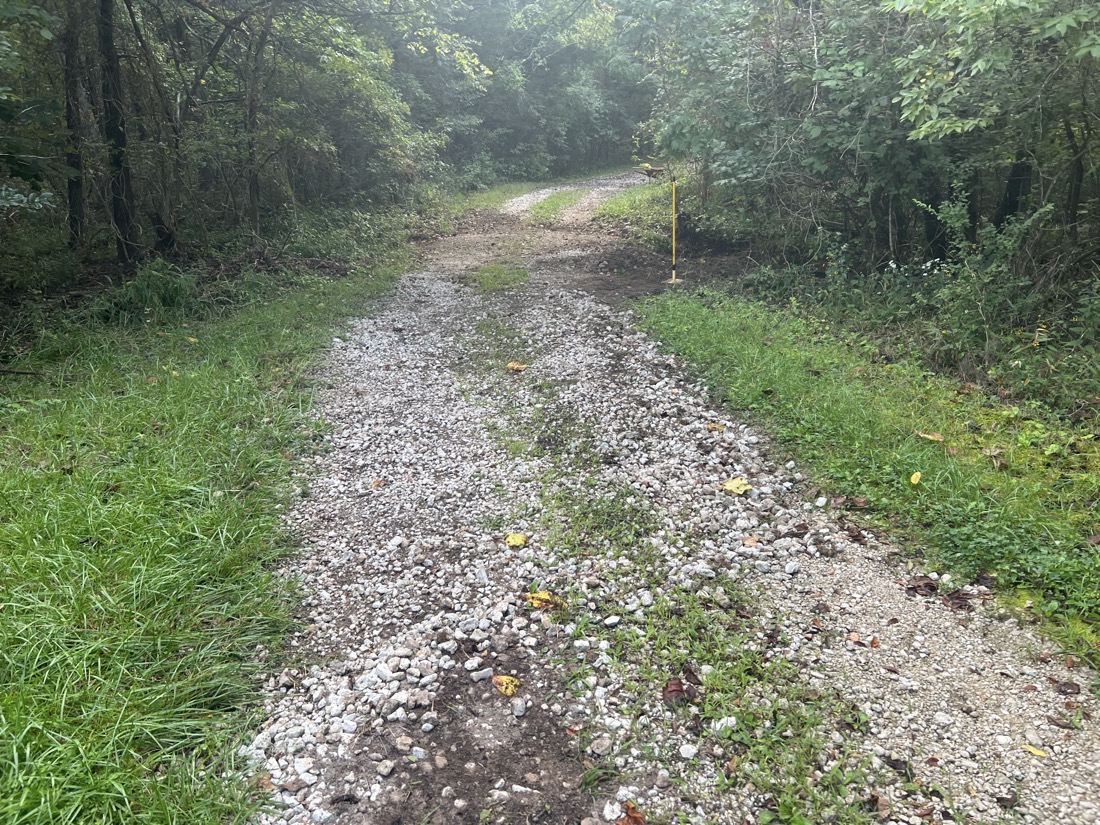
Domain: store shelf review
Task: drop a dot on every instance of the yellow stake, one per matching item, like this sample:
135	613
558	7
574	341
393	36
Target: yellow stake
673	279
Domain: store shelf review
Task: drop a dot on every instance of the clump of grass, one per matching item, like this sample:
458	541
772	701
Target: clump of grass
141	481
549	209
499	277
1001	490
644	211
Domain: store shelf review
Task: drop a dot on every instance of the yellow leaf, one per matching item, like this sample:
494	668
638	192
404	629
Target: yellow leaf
516	540
191	340
716	427
931	436
737	486
1035	751
915	478
516	366
508	685
543	599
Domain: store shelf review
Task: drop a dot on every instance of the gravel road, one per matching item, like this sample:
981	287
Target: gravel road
413	594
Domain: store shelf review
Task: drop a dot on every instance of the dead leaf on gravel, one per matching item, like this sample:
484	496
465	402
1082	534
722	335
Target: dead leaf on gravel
932	761
508	685
798	531
874	642
1064	688
930	436
1059	722
926	811
673	693
958	601
544	600
750	541
516	540
516	366
879	805
631	815
691	677
737	486
1035	751
1009	800
716	427
903	767
921	586
1071	662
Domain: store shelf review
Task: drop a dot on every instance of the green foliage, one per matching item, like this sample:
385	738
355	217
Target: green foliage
160	294
141	482
498	277
549	209
1012	496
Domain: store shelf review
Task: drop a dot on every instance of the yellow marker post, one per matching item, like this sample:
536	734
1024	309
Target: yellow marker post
673	280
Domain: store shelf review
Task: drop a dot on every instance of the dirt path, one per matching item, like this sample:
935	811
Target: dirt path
828	681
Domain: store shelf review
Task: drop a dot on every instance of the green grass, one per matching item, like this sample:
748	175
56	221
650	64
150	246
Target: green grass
141	480
644	211
1005	492
549	209
499	277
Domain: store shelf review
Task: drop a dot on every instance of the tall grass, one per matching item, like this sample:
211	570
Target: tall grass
141	480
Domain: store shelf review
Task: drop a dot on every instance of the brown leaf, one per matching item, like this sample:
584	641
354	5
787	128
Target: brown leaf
673	693
958	601
932	761
1009	800
1059	722
860	501
874	642
1064	688
690	676
921	586
879	805
926	811
1071	662
631	815
1094	540
1029	688
798	531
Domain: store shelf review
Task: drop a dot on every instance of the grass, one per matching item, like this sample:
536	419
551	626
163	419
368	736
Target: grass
499	277
1002	490
549	209
644	211
141	481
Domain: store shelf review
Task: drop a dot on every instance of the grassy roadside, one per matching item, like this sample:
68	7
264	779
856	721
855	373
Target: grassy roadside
142	473
981	487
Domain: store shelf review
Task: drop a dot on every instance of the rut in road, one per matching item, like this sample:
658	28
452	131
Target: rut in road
730	651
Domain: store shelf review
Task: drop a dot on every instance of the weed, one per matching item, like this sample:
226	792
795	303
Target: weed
549	209
498	277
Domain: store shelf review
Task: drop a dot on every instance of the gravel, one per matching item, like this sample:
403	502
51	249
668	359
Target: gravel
409	589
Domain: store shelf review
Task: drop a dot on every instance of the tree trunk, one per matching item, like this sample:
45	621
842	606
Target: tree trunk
252	116
120	179
1019	181
74	154
1076	181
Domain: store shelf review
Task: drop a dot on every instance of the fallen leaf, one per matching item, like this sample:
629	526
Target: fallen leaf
731	767
854	638
691	676
932	761
716	427
1059	722
673	693
191	340
516	366
880	805
1094	540
378	482
516	540
1029	689
1064	688
958	601
738	486
544	599
993	451
930	436
1035	751
874	641
915	478
921	586
508	685
798	531
1071	662
1009	800
750	541
926	811
860	501
631	815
